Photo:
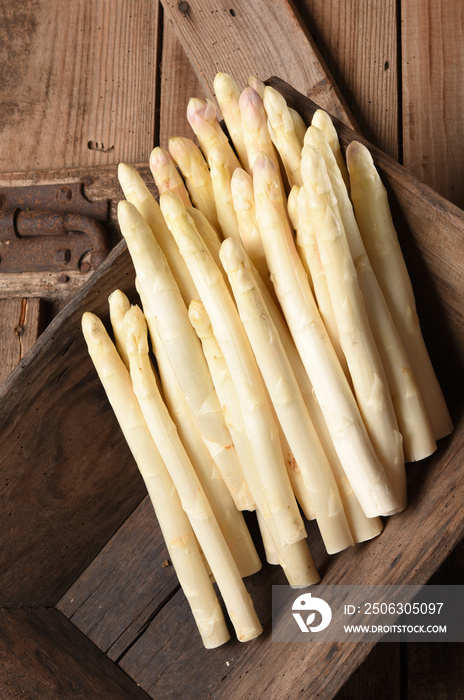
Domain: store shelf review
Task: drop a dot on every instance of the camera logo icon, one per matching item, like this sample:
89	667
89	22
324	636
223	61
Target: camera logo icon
310	604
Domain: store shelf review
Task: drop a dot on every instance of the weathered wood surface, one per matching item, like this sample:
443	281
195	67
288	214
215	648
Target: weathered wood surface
433	88
258	38
21	322
77	82
43	656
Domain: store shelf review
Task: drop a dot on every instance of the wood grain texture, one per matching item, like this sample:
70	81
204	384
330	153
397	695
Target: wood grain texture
44	657
178	82
77	82
433	94
21	322
358	40
259	38
124	586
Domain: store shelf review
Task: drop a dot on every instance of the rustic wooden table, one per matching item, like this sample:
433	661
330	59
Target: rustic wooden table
89	83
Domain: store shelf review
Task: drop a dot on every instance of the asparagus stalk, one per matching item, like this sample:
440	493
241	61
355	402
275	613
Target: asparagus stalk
244	207
119	304
194	502
283	134
175	526
413	419
378	231
202	117
227	327
138	194
356	337
194	168
321	120
358	458
166	175
306	243
288	401
255	129
234	418
228	94
230	519
220	179
181	344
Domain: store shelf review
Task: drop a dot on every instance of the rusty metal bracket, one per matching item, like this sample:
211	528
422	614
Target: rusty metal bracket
51	228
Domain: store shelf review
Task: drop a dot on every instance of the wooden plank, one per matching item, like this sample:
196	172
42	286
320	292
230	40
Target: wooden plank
358	40
21	322
78	82
123	587
178	83
379	676
433	94
259	38
43	656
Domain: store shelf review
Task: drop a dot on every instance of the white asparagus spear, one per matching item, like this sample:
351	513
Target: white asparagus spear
378	231
181	344
349	435
194	168
221	174
244	207
306	243
413	419
227	94
255	130
137	193
323	121
175	526
283	134
288	401
233	415
166	175
268	544
119	304
202	117
295	559
227	327
357	340
230	519
298	122
256	84
194	502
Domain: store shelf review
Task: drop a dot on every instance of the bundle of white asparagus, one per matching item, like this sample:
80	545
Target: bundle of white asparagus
291	374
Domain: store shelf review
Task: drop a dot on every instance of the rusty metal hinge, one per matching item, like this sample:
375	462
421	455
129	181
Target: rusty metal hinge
51	228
